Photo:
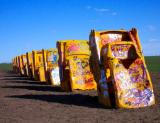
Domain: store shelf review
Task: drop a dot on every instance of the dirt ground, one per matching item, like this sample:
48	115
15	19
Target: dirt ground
26	101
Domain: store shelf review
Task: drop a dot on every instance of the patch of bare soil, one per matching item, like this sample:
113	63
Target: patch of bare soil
27	101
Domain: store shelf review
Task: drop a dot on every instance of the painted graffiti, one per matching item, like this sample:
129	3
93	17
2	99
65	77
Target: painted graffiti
77	47
55	76
53	57
108	38
132	84
120	51
81	70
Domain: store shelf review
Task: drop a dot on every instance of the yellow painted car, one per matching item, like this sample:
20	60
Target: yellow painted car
51	66
24	64
38	66
64	73
29	64
17	64
14	65
123	79
20	65
76	72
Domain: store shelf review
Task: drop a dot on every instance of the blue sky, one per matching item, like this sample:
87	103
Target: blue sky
35	24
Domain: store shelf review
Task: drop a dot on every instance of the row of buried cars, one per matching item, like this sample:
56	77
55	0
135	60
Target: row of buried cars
111	62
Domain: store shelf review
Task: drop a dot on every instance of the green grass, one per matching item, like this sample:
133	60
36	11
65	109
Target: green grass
5	66
153	63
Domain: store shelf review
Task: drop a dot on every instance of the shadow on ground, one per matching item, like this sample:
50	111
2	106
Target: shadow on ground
19	79
36	88
78	98
69	99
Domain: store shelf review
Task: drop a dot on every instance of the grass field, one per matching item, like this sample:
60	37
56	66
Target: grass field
5	66
153	64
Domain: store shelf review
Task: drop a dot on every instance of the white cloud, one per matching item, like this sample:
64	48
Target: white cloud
151	28
53	31
152	40
94	20
114	13
88	7
151	47
101	9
